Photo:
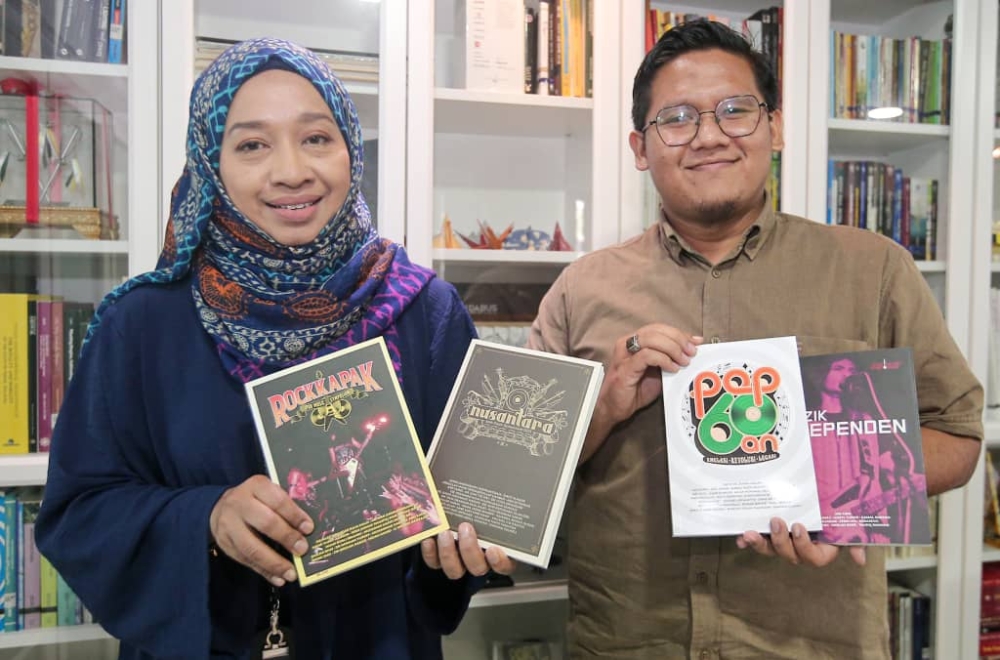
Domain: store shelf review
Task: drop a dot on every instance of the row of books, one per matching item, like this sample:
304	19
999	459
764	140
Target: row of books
909	623
558	48
82	30
41	338
989	611
879	197
349	66
872	71
33	594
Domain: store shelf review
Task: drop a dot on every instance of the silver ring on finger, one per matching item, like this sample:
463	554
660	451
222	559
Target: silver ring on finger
632	344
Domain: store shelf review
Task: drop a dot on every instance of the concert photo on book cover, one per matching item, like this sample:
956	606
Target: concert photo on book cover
865	429
339	440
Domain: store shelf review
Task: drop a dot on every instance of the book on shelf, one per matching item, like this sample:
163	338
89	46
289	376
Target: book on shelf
508	443
526	649
737	444
866	440
338	437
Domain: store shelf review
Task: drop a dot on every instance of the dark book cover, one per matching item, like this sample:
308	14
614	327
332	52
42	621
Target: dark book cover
864	424
508	443
338	437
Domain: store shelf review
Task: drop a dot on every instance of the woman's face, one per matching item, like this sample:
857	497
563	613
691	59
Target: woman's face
284	161
839	372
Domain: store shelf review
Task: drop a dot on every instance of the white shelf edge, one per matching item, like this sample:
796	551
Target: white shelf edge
533	592
23	469
898	128
62	246
996	134
991	427
931	266
479	96
990	553
995	266
64	67
454	255
894	564
57	635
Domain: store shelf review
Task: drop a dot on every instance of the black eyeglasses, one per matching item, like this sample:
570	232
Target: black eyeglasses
737	117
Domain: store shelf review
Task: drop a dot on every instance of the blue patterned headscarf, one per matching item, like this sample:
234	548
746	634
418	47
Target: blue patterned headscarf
269	305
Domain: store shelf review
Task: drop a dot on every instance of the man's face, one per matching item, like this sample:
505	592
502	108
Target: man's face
840	371
715	179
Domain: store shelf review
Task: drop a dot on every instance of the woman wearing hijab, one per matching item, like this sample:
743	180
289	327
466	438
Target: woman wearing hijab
157	511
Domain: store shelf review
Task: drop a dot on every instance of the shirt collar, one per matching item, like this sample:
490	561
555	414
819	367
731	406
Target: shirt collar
753	238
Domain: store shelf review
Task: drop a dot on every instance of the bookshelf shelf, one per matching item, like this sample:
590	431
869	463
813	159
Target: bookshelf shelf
990	553
57	635
457	256
893	565
23	470
518	595
874	138
510	115
991	427
62	246
105	83
931	266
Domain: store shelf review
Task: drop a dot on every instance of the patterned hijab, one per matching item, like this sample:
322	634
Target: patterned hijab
269	305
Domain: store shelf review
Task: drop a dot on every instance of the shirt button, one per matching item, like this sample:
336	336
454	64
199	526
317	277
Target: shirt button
716	340
701	577
716	273
704	655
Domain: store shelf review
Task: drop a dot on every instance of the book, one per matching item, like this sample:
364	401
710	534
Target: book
338	437
865	428
738	450
508	442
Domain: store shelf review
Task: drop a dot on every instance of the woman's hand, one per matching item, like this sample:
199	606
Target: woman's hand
259	507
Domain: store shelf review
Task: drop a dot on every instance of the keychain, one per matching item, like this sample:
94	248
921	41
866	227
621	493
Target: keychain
275	642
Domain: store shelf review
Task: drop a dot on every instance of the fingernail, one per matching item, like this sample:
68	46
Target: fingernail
300	547
740	543
775	527
797	531
465	530
492	555
689	348
277	581
290	575
306	527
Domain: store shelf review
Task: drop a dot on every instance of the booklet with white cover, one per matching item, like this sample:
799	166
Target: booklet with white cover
738	447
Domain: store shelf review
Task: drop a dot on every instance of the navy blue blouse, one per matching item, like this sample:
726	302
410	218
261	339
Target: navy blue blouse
152	431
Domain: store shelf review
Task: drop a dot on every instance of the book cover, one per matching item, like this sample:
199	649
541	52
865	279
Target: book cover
338	437
508	443
865	428
737	444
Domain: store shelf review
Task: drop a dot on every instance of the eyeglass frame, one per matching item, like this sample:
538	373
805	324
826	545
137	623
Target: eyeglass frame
714	113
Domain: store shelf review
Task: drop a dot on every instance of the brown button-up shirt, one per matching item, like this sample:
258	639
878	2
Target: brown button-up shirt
637	592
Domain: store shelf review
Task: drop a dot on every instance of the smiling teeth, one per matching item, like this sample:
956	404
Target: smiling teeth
293	207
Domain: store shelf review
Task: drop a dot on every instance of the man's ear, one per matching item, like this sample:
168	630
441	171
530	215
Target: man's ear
637	140
777	130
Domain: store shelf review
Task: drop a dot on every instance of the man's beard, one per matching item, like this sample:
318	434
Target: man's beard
711	214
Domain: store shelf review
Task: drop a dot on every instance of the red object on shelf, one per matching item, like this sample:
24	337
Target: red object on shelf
28	89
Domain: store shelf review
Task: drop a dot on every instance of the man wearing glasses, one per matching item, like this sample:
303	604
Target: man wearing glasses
722	266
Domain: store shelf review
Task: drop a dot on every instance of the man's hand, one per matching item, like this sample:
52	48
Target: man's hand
795	548
633	379
456	557
259	507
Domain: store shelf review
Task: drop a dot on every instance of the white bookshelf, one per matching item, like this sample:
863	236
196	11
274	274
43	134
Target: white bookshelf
469	256
62	246
23	469
48	636
883	137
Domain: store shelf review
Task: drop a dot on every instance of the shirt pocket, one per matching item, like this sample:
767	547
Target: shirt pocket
814	345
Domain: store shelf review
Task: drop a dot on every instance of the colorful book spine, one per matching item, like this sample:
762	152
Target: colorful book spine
14	392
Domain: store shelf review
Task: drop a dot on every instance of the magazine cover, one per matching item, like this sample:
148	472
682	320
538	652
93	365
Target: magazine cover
508	443
337	436
737	445
865	430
